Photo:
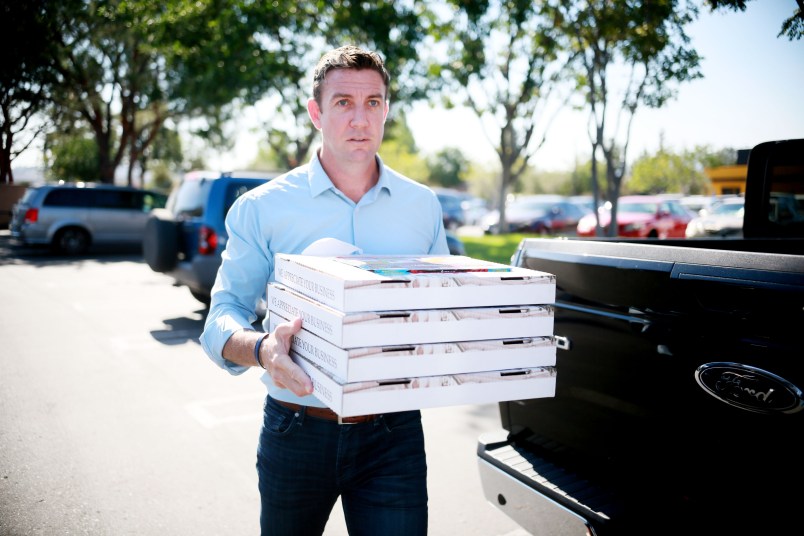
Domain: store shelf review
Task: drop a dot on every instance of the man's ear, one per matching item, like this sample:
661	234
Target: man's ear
314	112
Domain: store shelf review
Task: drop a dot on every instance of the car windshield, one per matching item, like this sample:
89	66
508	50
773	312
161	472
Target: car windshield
642	208
729	209
532	206
190	197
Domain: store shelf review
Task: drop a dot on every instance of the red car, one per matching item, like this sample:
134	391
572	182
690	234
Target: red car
642	216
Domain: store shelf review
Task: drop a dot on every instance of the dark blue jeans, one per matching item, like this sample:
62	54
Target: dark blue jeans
378	469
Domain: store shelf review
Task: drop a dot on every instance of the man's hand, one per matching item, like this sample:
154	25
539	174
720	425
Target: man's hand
285	373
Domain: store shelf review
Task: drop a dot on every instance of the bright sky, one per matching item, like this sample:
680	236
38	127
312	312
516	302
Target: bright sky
752	91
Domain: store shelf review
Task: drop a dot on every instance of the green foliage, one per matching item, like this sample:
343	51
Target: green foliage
483	181
397	155
495	248
708	157
580	179
503	61
792	27
161	178
75	158
30	32
399	151
648	42
667	172
448	168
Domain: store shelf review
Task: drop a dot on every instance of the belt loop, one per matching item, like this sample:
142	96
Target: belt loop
340	421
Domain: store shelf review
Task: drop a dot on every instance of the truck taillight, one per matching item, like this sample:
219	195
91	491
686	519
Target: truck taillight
32	215
207	241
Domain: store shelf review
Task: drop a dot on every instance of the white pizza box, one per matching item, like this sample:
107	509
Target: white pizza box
385	328
386	396
402	361
390	282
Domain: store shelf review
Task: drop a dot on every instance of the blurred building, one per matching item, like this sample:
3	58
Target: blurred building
730	180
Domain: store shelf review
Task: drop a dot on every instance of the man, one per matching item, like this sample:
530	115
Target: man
307	458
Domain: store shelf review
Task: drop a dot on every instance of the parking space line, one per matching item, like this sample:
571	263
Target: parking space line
214	412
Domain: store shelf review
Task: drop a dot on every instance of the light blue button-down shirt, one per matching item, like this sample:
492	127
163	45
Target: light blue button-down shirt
287	214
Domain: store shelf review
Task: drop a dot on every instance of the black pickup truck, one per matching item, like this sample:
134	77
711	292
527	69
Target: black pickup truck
678	405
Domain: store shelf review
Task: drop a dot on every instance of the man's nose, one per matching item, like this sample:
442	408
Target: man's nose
360	116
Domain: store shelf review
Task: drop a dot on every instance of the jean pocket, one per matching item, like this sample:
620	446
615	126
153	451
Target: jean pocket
277	419
402	421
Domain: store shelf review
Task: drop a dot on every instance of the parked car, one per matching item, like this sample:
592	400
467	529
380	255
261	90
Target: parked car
72	217
185	240
451	207
725	219
455	245
537	214
642	216
699	205
585	202
474	209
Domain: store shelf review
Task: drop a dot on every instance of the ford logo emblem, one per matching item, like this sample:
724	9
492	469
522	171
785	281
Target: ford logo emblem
749	388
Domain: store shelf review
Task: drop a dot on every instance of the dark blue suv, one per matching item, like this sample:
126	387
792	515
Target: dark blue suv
185	240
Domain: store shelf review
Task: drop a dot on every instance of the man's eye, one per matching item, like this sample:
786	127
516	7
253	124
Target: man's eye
342	102
374	103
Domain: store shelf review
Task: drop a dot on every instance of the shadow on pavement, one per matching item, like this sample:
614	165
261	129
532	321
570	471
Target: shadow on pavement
181	330
13	252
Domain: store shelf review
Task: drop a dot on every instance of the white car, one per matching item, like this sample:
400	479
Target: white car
725	219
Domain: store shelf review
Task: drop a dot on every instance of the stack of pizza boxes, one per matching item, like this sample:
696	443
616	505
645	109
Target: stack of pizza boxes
391	333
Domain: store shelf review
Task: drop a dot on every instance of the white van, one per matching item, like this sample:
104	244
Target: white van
71	217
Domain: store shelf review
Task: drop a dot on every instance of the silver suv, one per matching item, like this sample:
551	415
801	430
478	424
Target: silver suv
71	217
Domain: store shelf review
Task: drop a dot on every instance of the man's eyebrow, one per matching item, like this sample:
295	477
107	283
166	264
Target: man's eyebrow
338	96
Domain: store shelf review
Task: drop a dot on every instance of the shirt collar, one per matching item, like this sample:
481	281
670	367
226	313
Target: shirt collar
320	181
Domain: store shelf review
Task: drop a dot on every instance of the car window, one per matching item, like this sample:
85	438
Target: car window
67	197
450	203
190	198
677	209
573	211
152	200
28	196
644	208
729	209
117	199
235	190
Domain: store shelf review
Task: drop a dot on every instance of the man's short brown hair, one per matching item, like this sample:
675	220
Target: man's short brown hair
348	57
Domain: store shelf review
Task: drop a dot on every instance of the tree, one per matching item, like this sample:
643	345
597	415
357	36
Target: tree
666	171
392	28
73	156
503	61
29	31
127	67
399	151
793	26
645	45
448	168
107	74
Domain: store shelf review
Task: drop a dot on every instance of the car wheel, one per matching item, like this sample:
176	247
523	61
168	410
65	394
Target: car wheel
160	243
71	241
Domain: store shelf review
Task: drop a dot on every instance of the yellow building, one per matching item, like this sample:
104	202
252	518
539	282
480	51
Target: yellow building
727	180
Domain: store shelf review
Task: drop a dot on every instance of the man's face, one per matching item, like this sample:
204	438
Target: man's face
352	114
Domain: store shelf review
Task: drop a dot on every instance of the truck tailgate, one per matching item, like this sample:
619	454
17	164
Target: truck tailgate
676	403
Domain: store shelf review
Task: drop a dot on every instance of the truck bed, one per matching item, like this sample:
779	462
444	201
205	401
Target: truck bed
642	436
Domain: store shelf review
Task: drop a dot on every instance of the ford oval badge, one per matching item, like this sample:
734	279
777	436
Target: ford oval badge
749	388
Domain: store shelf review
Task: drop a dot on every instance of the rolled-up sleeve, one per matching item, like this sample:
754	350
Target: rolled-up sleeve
246	265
